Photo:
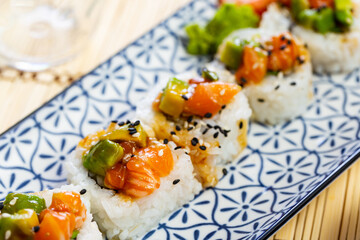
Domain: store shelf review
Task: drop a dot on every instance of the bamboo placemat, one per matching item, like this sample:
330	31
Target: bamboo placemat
334	214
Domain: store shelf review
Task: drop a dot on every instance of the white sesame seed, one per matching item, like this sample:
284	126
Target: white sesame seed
161	152
222	92
7	234
256	65
201	141
136	134
186	124
207	144
175	138
13	201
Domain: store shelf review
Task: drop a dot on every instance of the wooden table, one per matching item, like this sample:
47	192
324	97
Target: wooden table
334	214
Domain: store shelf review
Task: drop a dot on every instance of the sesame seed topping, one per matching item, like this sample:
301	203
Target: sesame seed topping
261	100
132	155
190	128
36	228
208	115
269	52
137	134
283	38
136	123
209	125
289	42
83	191
243	80
114	121
282	47
219	146
202	148
225	172
176	181
176	138
207	145
194	141
13	201
222	92
241	124
195	123
205	131
173	133
306	45
216	135
1	205
122	123
293	83
300	59
166	141
277	87
189	119
161	152
178	128
131	129
128	122
223	106
178	147
185	97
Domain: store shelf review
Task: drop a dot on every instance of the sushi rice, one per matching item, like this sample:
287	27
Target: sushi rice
330	52
121	217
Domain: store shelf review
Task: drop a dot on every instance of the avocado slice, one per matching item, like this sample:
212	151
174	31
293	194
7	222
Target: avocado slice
128	132
297	6
102	156
19	224
231	55
307	17
325	21
15	202
343	12
172	101
209	75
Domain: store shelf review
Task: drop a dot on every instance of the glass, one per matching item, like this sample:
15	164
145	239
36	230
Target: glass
38	34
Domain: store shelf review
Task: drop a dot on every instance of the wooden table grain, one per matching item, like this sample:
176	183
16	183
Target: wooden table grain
334	214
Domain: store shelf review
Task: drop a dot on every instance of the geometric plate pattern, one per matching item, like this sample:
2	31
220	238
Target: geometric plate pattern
282	169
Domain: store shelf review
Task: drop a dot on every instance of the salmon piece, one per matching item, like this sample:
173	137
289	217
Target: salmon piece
115	177
210	97
283	53
69	202
55	225
254	66
259	6
140	179
321	3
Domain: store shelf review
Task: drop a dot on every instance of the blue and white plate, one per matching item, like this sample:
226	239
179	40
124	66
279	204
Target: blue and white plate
281	170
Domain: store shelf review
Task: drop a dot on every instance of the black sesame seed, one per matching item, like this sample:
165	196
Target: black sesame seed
178	147
300	60
83	191
225	172
243	80
114	121
219	146
166	141
178	128
282	47
306	45
133	132
36	228
289	42
241	124
131	129
173	133
205	131
122	123
137	122
261	100
269	52
223	106
216	135
1	205
194	141
202	148
176	181
185	97
195	123
283	38
132	155
208	115
190	128
189	119
293	83
209	126
277	87
128	122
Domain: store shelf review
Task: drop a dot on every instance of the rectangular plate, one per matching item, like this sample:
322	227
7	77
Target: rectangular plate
282	169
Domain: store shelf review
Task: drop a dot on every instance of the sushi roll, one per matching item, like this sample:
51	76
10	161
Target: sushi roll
206	117
58	214
133	179
274	69
330	28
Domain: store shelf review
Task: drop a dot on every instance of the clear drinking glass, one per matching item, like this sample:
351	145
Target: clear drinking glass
37	34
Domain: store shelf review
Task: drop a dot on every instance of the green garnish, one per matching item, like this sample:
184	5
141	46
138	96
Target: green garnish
228	18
